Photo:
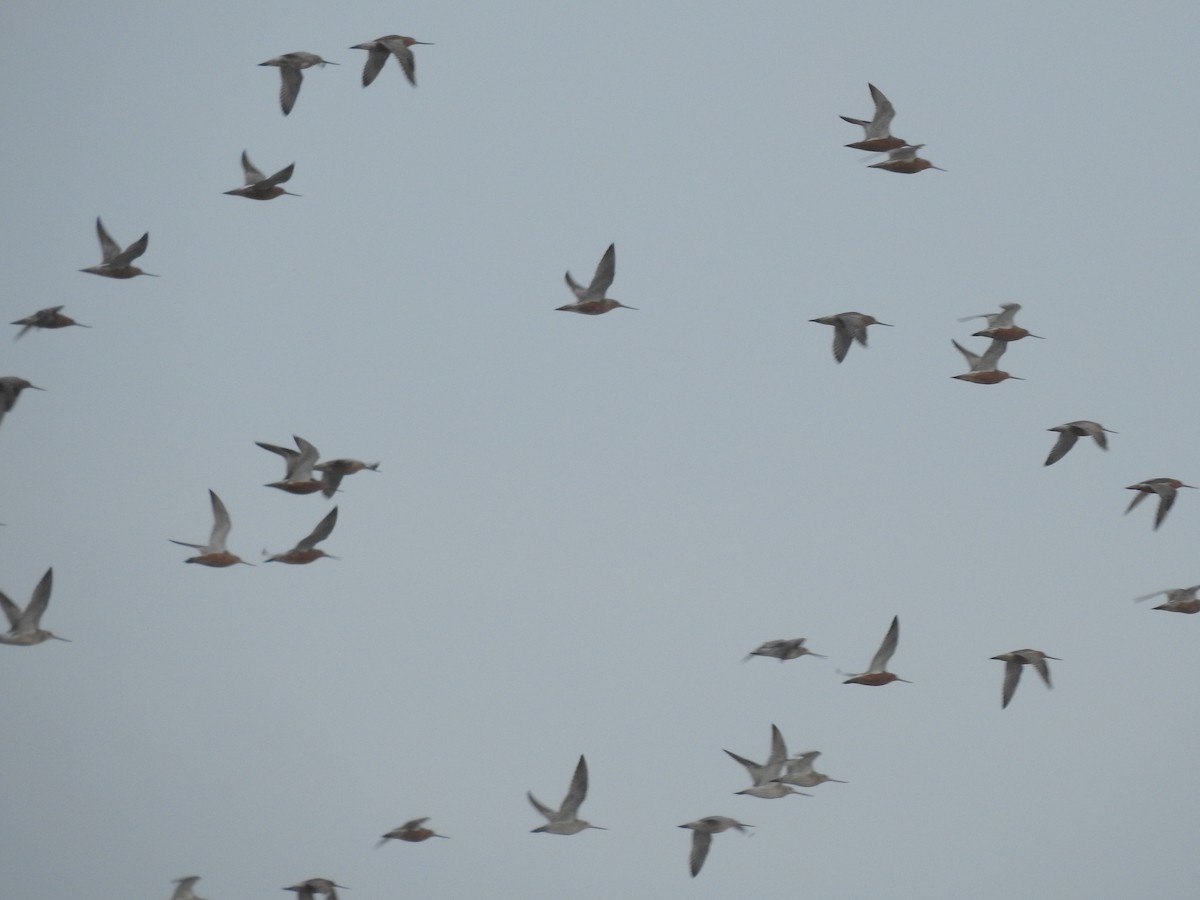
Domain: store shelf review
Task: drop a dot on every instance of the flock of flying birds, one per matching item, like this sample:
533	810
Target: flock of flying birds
780	774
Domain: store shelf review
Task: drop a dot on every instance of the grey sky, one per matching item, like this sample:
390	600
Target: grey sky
581	525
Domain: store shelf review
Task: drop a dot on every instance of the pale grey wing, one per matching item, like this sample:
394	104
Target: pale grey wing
186	544
280	177
577	792
323	530
37	605
778	755
1166	499
576	288
1155	594
1137	498
1066	440
550	814
1042	669
221	524
802	763
857	328
108	247
289	456
1097	433
605	272
1012	675
413	823
752	767
408	62
991	356
249	172
12	612
972	359
289	89
701	841
863	122
841	340
376	57
330	479
1005	319
132	252
887	648
989	316
884	113
300	468
909	151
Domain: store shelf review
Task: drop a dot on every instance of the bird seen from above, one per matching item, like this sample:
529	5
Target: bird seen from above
380	49
848	327
1014	662
290	66
1166	488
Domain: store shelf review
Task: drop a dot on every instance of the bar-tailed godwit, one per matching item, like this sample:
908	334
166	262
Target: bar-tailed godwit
214	553
25	624
1014	662
258	186
848	327
50	317
702	832
1166	488
116	262
983	368
905	161
290	66
791	648
305	552
411	831
1001	326
565	819
764	776
591	300
1069	433
878	674
1180	600
878	136
378	51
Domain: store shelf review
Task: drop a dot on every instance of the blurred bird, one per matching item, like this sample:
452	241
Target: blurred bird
393	44
299	464
50	317
783	650
1001	326
304	551
878	138
290	65
591	300
184	890
765	786
214	553
24	625
411	831
905	161
983	368
564	820
10	389
847	327
1069	433
1180	600
258	186
702	832
335	469
1014	662
116	262
1166	489
308	889
878	674
799	770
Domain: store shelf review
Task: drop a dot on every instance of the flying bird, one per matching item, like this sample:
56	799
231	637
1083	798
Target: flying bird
983	368
1014	662
290	66
878	137
214	553
591	300
378	51
50	317
781	650
905	161
10	389
764	775
335	469
308	889
799	770
1069	433
565	819
116	262
258	186
878	674
1000	326
1180	600
1166	488
25	624
304	551
848	327
702	832
299	465
412	832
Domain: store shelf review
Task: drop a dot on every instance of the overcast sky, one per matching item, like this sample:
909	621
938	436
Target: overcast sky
581	525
